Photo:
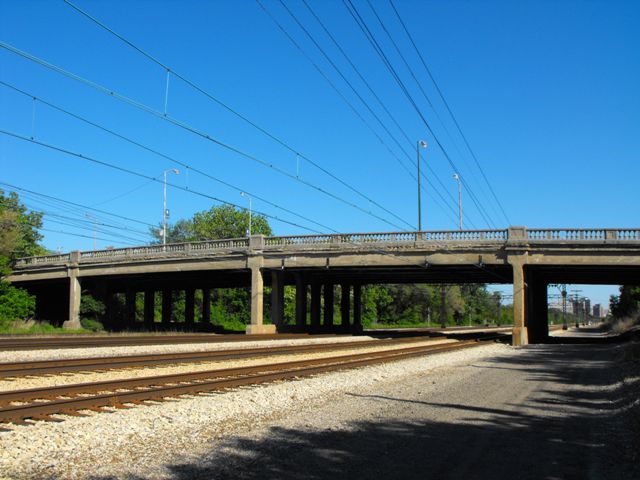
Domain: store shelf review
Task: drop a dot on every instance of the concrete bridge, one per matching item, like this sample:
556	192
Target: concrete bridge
530	259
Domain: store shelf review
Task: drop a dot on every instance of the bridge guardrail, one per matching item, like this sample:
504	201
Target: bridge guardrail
399	238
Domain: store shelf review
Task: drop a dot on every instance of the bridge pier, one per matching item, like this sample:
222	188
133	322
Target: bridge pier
328	306
75	293
357	308
130	306
257	300
345	306
206	306
301	301
315	305
277	298
167	305
149	307
520	330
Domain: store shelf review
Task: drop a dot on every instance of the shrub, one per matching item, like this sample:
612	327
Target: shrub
91	308
91	325
15	303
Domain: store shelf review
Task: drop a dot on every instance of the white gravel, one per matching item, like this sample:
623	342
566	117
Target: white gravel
70	378
69	353
143	440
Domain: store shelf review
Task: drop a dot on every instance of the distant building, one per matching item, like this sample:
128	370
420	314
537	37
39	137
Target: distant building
599	311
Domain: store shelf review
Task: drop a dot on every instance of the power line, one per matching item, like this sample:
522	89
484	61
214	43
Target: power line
190	129
77	204
371	38
344	99
160	154
228	108
393	119
142	175
473	155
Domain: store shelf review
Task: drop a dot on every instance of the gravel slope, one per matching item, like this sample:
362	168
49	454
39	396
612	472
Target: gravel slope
490	412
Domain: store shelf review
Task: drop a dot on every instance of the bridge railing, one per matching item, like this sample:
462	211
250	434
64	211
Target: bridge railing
519	234
583	234
387	237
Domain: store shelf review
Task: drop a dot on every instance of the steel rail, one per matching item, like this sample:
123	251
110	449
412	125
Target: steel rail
35	343
138	390
43	367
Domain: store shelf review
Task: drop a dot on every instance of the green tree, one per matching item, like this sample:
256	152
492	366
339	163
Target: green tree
218	222
19	237
627	303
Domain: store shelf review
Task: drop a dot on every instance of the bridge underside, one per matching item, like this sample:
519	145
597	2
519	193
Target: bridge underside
54	296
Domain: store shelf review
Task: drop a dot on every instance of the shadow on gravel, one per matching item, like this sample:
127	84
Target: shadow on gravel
560	433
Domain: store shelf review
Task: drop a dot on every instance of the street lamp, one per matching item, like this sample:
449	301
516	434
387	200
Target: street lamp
244	194
165	212
456	177
423	144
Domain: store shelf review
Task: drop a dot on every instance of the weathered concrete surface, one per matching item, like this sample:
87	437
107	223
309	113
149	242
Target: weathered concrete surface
543	412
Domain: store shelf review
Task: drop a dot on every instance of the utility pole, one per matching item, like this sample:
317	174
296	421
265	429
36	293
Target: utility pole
423	144
165	212
456	177
93	223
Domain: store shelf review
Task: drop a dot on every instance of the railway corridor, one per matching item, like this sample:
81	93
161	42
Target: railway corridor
548	411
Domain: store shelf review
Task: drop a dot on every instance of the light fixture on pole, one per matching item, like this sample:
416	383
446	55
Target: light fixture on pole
423	144
456	177
165	211
244	194
93	222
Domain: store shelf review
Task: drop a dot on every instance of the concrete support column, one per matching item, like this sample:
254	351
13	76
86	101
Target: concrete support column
345	304
75	294
257	299
301	301
328	305
357	307
520	332
206	305
130	306
277	297
167	306
315	304
189	305
149	307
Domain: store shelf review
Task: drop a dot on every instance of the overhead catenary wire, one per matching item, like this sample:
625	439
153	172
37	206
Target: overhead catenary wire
190	129
410	142
79	205
378	49
162	155
236	113
371	38
453	117
143	175
342	97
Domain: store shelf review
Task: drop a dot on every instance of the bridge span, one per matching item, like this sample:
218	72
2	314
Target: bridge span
530	259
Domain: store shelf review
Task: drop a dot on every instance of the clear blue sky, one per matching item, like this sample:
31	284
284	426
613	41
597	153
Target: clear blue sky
545	92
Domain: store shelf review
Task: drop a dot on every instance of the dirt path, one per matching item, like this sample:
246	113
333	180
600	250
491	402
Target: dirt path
543	412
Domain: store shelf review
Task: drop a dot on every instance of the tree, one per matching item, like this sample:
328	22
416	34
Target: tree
19	237
627	303
218	222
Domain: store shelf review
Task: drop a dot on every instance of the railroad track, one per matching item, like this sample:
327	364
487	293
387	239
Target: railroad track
40	343
41	403
47	367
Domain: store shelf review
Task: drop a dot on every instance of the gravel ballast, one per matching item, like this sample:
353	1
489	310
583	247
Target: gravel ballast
141	440
545	411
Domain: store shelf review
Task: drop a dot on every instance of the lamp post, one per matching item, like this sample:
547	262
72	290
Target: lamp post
165	212
423	144
456	177
93	222
244	194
